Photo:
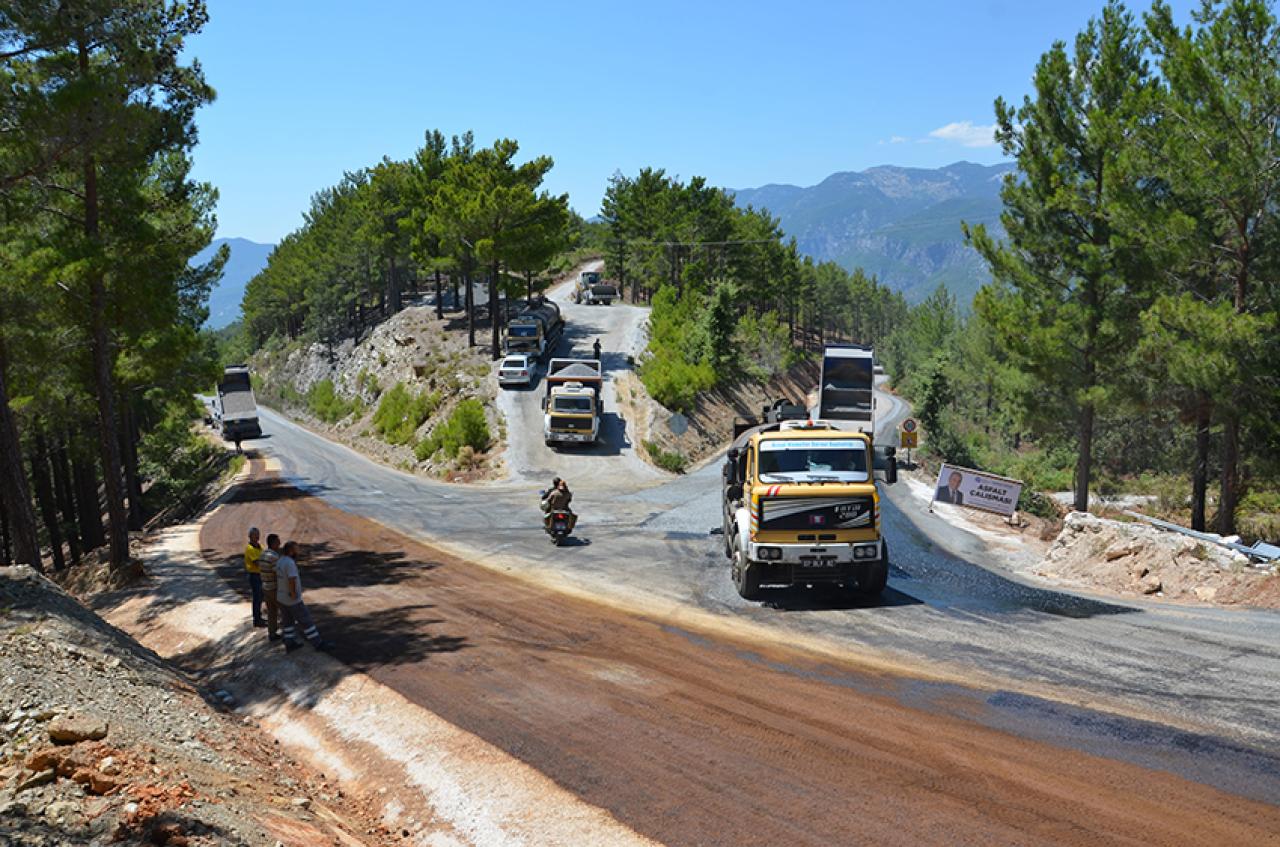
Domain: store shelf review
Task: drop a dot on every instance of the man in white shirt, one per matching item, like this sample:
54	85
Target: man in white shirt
293	612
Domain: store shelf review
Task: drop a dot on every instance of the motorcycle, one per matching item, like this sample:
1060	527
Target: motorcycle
558	524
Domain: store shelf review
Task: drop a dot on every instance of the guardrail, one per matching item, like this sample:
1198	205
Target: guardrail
1261	552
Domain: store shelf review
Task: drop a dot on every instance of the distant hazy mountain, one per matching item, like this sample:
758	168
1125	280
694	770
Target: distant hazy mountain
901	224
247	258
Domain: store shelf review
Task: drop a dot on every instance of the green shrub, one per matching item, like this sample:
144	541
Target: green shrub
366	381
1259	516
326	404
400	413
175	460
466	427
666	459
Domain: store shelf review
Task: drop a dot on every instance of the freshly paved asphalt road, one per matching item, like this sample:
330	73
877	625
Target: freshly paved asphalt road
1149	682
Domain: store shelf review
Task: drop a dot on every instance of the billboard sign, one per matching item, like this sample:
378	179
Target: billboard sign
977	490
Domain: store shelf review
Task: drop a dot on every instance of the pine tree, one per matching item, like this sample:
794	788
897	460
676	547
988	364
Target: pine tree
1068	286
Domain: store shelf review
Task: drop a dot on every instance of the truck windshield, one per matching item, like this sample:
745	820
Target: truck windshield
813	461
522	331
573	404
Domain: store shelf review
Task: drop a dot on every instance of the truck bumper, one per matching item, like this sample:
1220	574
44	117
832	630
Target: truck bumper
570	437
799	564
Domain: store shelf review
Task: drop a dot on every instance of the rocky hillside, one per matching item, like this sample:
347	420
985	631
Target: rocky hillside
104	743
901	224
395	394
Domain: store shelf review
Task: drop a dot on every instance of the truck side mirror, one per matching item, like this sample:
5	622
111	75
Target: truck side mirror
885	461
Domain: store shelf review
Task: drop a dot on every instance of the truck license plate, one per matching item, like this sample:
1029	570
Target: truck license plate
817	561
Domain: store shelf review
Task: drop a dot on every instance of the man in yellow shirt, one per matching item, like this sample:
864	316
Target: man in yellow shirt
252	553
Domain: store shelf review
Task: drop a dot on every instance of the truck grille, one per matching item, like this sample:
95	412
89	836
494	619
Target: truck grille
574	424
816	514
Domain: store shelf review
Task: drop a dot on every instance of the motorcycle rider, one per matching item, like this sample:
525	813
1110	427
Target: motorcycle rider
557	499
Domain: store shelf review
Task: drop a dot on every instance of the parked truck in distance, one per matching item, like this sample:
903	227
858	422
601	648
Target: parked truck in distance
235	408
800	504
535	330
572	403
593	290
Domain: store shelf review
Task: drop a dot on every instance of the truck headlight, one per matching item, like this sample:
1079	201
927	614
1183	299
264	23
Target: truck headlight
865	551
769	554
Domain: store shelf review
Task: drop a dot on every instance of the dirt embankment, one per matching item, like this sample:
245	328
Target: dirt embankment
1136	559
103	743
428	357
709	426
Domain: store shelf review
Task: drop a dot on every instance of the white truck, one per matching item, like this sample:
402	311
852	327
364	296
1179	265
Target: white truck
234	406
571	407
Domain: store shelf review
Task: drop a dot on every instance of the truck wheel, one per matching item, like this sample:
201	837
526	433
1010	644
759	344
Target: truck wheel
879	576
746	575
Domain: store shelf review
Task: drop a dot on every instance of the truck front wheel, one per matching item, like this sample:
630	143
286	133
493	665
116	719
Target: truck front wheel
746	574
877	575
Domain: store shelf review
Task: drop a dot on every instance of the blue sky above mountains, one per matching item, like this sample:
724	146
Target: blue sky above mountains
744	93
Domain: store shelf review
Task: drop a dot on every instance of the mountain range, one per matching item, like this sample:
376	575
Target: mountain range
900	224
247	258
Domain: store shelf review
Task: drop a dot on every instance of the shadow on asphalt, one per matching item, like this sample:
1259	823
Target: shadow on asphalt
820	599
273	489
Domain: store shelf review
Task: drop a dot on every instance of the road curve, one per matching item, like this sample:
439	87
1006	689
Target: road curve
691	738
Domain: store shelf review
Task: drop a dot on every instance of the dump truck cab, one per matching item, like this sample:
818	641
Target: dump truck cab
801	507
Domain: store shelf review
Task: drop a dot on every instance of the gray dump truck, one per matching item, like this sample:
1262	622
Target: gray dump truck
235	409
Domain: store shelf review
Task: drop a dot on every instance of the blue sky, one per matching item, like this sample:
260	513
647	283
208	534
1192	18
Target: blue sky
743	93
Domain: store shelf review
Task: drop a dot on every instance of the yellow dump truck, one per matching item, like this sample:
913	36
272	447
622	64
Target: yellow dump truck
801	506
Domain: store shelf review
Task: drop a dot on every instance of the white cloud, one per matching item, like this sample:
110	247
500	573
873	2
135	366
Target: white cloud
967	134
898	139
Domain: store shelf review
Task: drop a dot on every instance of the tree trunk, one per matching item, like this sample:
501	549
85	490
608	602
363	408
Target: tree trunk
66	500
129	450
85	475
6	558
528	286
471	306
495	350
453	280
439	298
20	517
1230	493
1084	459
44	496
393	286
1200	471
103	362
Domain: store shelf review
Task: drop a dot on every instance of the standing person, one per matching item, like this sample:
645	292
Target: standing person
596	347
293	612
252	553
267	566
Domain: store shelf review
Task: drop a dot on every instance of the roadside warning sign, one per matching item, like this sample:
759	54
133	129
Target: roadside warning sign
909	425
909	439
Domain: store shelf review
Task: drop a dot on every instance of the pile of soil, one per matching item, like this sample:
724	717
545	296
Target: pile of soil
103	743
1137	559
